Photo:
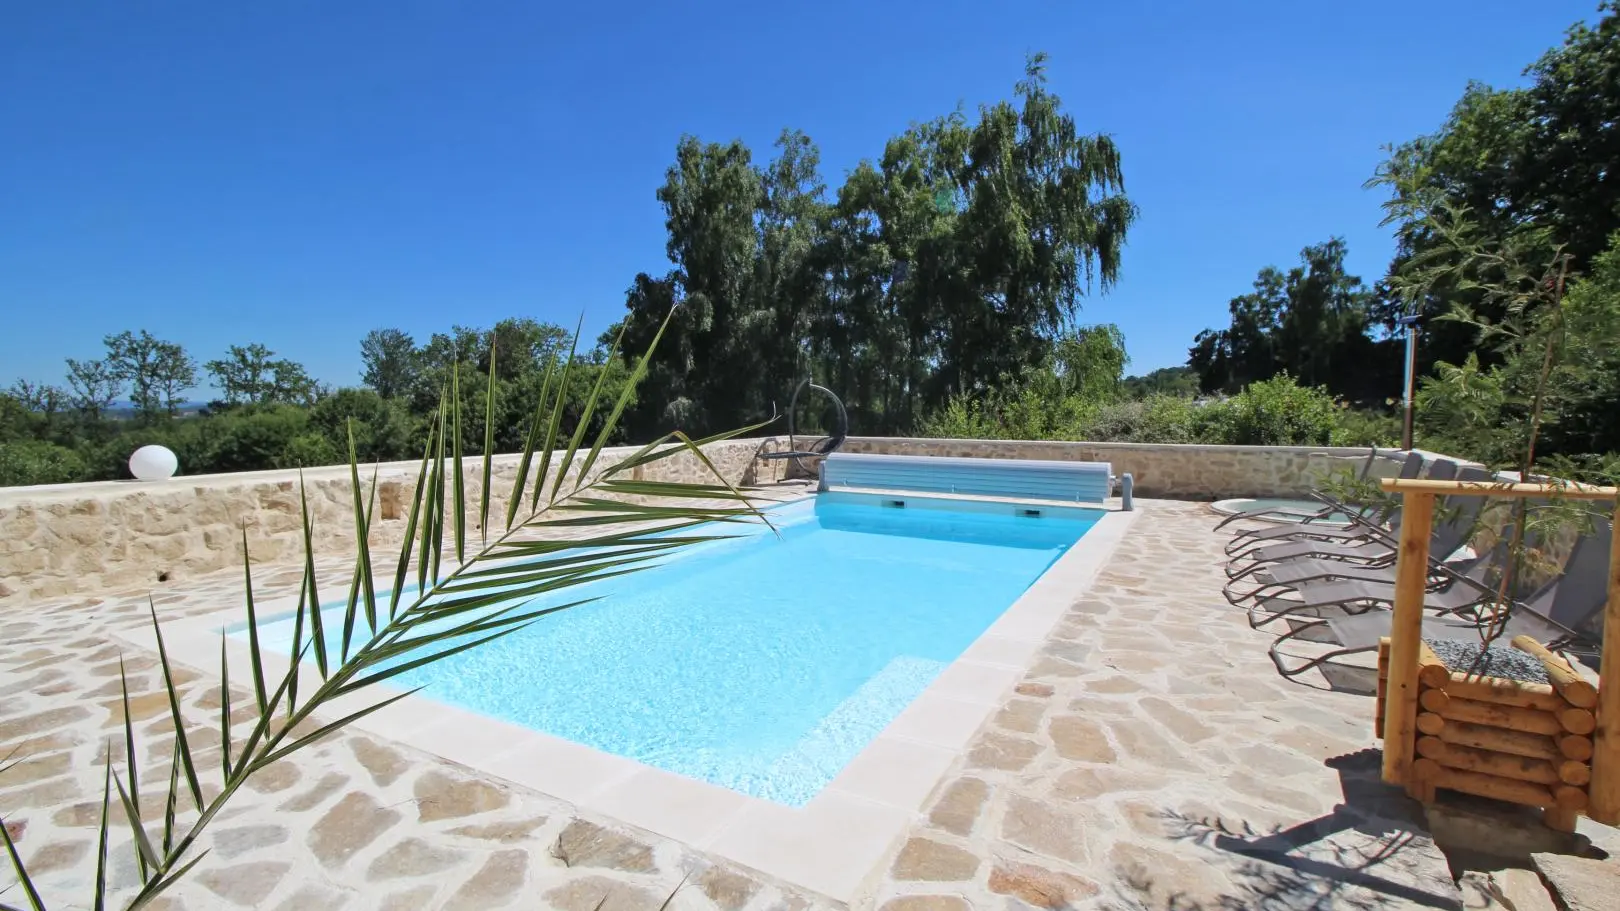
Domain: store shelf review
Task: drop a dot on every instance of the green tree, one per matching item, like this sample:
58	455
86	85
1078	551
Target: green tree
1173	381
1090	362
1537	158
950	265
38	462
94	386
253	375
1311	322
43	399
389	362
383	430
158	372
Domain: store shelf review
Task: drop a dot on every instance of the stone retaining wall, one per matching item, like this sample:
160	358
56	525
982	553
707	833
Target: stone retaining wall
121	535
1170	470
118	536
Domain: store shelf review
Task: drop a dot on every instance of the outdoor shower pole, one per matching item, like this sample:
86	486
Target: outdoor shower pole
1410	322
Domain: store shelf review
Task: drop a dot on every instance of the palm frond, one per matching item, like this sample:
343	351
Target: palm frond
489	448
554	428
174	710
460	479
253	627
99	900
34	900
316	632
617	523
404	568
520	483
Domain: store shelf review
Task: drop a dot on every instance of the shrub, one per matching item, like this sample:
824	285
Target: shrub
1274	412
383	430
1155	419
35	462
253	439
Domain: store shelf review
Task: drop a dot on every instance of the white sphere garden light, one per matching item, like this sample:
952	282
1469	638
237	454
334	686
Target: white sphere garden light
153	463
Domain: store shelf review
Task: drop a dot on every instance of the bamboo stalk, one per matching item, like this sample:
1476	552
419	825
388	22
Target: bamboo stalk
1487	785
1512	718
1572	686
1383	679
1430	723
1571	798
1505	692
1578	721
1484	737
1578	774
1575	747
1605	789
1406	635
1432	672
1559	819
1427	487
1489	762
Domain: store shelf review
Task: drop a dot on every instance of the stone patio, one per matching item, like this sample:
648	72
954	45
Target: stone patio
1150	758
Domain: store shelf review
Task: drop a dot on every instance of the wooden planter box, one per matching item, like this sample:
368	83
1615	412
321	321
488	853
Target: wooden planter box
1526	743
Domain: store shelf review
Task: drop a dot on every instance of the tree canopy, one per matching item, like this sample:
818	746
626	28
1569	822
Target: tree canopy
947	266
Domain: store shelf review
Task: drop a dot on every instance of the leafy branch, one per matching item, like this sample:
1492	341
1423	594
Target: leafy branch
591	525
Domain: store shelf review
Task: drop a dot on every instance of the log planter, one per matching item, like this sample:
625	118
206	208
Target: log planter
1554	745
1526	743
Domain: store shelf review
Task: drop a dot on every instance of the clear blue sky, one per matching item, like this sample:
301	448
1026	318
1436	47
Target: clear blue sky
297	173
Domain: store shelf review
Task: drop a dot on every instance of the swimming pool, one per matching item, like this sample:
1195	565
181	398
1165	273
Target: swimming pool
765	663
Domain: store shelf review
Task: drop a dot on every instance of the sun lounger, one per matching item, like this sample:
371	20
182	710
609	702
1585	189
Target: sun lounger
1250	545
1462	591
1274	579
1450	534
1302	522
1556	615
1411	467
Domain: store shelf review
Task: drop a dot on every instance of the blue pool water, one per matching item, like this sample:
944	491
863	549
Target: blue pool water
761	664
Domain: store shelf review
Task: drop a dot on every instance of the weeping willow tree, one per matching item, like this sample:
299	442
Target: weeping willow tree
948	264
571	519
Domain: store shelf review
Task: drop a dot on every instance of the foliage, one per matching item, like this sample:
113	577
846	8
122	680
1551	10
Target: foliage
1553	372
38	462
272	414
94	386
450	592
390	362
251	375
1275	412
1544	374
1174	381
383	429
157	372
1311	322
1533	157
947	266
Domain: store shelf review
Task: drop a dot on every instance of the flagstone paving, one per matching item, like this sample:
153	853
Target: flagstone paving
1150	759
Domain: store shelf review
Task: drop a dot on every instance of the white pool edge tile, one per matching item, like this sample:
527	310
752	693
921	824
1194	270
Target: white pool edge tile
832	845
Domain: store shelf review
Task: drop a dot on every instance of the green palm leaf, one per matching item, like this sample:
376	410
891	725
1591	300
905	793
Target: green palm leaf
253	626
174	711
554	427
34	900
460	479
618	523
489	448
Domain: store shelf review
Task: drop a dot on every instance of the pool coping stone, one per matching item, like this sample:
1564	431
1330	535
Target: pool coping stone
833	845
